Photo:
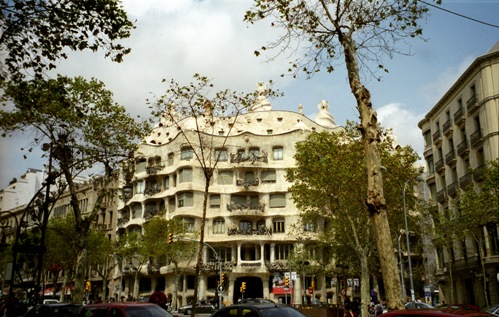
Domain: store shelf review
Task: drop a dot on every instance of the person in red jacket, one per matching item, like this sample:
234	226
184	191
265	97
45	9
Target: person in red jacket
158	297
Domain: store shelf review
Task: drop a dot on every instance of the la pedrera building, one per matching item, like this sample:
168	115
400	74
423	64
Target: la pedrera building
250	213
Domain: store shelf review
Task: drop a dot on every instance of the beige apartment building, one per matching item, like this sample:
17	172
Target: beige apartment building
250	212
461	134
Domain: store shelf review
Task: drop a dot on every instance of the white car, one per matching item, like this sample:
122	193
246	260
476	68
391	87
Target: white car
417	305
50	301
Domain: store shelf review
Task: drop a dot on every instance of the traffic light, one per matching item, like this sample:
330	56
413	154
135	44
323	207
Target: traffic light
313	285
286	281
223	278
170	238
243	286
88	287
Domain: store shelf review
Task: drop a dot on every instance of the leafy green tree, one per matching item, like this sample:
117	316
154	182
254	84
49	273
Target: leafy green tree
35	33
82	131
156	241
133	255
360	32
62	251
478	209
197	112
329	185
99	259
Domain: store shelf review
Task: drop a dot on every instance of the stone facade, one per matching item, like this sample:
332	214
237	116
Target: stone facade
461	134
250	212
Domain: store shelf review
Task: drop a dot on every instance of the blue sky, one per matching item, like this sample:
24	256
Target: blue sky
178	38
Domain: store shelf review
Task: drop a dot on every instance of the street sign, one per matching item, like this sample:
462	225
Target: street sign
220	288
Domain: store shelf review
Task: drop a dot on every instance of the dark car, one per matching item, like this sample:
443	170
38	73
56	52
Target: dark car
123	309
258	310
256	300
429	312
201	308
54	310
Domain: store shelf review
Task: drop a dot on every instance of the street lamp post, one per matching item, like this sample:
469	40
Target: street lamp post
413	299
219	266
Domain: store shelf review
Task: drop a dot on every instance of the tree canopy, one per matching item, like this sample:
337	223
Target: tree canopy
35	34
82	131
329	188
361	32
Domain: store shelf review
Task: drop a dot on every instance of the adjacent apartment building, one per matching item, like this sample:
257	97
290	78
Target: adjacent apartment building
461	134
250	212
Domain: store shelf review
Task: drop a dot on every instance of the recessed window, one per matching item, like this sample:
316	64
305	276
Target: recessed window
218	226
166	182
258	119
214	201
225	177
279	119
170	159
139	187
244	225
427	138
254	152
269	131
279	226
185	175
186	154
221	132
140	166
277	153
185	199
282	251
188	223
221	155
309	227
277	201
269	177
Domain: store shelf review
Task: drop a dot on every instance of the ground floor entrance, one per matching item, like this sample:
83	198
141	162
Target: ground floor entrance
254	288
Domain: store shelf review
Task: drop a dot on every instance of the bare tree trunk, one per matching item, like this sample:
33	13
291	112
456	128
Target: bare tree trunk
63	288
375	199
136	284
484	274
201	241
365	294
79	278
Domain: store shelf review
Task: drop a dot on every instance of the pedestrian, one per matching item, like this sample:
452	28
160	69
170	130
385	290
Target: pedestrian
158	297
11	305
348	308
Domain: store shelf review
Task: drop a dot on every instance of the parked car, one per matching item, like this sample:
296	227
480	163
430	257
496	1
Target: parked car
255	300
417	305
258	310
144	298
123	309
432	312
201	308
494	310
54	310
447	307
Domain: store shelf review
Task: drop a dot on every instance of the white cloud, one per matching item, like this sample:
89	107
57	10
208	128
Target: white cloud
404	124
434	90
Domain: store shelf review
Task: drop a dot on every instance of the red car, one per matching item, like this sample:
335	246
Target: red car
434	313
123	309
449	307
